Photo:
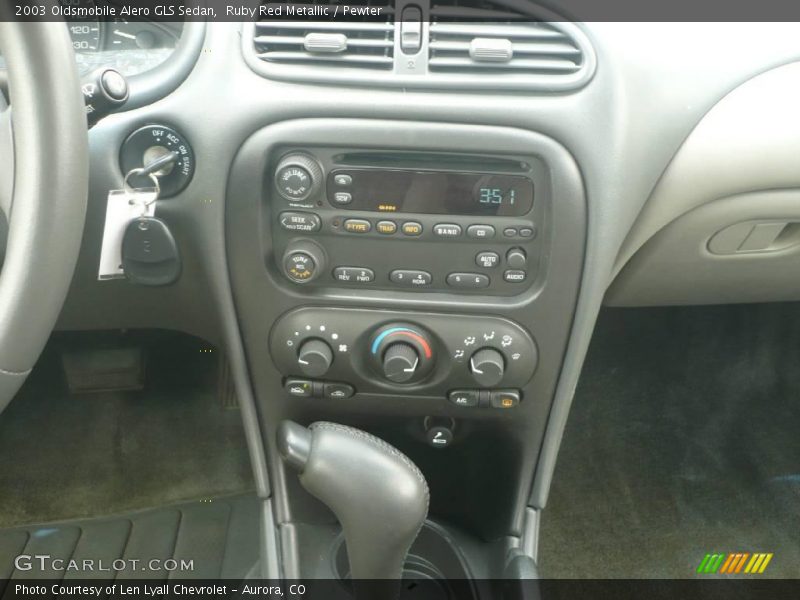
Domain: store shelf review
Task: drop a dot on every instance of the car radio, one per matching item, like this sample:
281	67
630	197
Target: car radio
360	218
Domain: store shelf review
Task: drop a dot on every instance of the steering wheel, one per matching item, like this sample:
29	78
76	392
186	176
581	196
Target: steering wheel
44	173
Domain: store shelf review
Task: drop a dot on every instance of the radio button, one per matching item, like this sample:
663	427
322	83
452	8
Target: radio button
386	227
514	276
483	232
357	226
410	278
299	221
488	260
342	198
353	275
342	179
447	230
468	281
412	228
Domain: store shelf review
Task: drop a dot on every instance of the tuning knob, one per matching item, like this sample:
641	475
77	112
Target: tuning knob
297	177
314	358
487	367
303	261
400	362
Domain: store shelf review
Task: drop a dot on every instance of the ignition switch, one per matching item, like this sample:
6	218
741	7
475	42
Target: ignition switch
152	143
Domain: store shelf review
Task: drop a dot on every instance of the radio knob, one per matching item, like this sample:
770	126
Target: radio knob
303	261
314	358
400	362
297	177
487	367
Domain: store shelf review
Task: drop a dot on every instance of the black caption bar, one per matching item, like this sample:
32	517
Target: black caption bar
381	10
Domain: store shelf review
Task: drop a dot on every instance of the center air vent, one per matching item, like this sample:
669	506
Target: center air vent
330	43
491	45
531	48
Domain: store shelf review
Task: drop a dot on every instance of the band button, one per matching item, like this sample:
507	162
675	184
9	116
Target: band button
412	228
447	230
386	227
357	226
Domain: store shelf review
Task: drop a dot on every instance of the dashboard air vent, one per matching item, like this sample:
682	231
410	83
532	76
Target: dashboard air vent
497	40
367	44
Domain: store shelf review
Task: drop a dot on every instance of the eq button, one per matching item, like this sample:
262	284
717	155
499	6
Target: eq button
487	260
410	278
357	226
412	228
447	230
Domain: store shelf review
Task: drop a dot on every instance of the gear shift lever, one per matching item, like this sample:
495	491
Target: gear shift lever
379	496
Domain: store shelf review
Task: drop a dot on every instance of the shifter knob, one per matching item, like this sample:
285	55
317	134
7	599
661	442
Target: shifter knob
379	496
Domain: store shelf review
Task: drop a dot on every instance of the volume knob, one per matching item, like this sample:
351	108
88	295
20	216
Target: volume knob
297	177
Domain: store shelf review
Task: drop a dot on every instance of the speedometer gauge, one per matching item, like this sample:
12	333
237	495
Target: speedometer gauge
87	34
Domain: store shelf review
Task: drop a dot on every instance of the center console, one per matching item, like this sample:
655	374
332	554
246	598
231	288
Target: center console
417	281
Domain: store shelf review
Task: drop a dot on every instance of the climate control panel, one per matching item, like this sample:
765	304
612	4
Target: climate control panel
403	353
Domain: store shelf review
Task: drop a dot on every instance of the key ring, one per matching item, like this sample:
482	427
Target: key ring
141	171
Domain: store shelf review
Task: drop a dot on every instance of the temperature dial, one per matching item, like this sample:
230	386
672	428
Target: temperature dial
297	177
402	353
400	362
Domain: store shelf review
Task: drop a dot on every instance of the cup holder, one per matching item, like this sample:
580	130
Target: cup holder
432	567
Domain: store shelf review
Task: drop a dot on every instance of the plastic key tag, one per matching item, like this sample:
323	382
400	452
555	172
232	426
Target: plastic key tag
122	207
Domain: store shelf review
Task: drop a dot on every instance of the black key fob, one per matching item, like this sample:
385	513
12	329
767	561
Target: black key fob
149	253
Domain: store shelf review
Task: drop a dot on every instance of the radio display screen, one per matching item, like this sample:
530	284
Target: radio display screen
430	192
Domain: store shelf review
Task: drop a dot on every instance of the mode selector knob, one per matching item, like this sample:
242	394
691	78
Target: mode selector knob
303	261
400	362
297	177
314	358
487	367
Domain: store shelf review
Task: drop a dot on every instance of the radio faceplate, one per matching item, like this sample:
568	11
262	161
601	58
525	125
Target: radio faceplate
476	228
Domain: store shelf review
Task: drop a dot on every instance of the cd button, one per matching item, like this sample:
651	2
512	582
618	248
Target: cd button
514	276
357	226
472	281
410	278
480	231
412	228
487	260
342	179
353	274
386	227
342	198
447	230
